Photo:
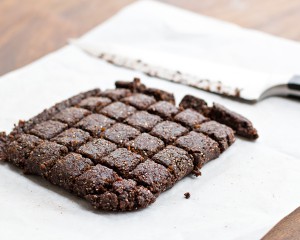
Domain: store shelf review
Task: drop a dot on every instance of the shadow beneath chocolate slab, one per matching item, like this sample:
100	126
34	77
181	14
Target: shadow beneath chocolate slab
244	139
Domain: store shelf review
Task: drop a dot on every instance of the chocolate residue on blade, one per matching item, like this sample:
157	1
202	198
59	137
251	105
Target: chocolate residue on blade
170	75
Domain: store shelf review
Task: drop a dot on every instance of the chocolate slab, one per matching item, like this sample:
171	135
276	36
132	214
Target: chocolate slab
120	148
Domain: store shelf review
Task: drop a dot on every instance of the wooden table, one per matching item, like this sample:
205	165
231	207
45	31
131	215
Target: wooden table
30	29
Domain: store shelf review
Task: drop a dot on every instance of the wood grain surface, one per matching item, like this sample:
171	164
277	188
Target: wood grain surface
287	229
30	29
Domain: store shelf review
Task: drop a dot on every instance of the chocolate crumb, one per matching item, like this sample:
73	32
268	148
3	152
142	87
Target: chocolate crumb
187	195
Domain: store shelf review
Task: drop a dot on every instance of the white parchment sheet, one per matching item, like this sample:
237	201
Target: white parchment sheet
241	195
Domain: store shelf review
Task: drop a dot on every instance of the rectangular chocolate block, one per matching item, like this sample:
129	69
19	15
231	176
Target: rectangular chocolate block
146	144
95	124
168	131
190	118
178	161
164	109
94	104
220	133
237	122
202	147
119	149
139	101
143	120
118	111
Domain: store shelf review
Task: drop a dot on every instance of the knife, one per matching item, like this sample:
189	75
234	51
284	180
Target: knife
230	81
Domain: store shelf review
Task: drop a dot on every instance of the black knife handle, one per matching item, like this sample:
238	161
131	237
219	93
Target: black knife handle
294	83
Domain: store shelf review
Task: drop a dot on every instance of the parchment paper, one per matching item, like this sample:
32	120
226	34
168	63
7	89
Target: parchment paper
241	195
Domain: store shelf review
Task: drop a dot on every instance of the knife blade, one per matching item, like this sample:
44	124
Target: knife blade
237	83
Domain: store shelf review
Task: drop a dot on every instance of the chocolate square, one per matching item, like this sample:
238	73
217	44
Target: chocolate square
94	104
43	158
190	118
72	138
163	109
71	115
168	131
178	161
48	129
95	124
143	120
221	133
19	149
121	133
116	94
155	176
146	144
140	101
67	169
95	180
202	147
96	149
122	160
118	111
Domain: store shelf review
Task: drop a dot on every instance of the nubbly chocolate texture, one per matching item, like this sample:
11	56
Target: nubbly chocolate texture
120	148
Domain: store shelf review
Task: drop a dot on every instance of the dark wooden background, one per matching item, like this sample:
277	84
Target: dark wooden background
30	29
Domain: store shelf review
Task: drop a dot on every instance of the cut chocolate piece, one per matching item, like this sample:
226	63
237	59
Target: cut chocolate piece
160	95
163	109
67	169
126	192
195	103
122	160
43	158
221	133
49	129
121	133
118	111
96	149
116	94
202	147
95	180
143	120
190	118
107	201
178	161
155	176
71	115
124	196
94	104
72	138
131	196
140	101
168	131
146	144
18	150
95	124
135	86
237	122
